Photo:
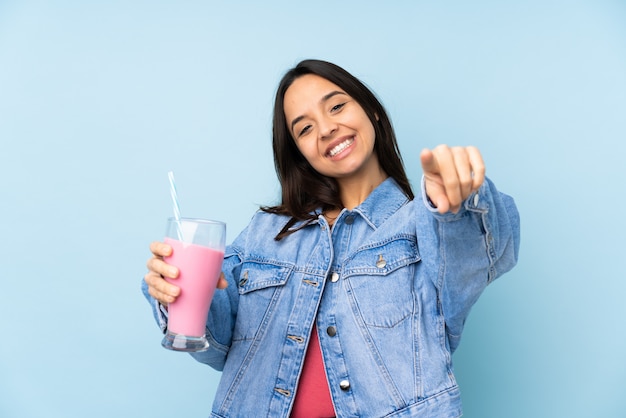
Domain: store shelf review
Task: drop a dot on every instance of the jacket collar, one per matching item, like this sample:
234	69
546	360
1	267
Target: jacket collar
383	202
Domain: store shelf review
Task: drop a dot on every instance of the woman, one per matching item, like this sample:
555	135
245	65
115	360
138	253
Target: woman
349	297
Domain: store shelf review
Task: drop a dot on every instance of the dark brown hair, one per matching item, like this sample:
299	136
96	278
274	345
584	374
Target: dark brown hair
305	192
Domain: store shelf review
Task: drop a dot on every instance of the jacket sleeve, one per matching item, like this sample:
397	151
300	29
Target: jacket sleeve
477	245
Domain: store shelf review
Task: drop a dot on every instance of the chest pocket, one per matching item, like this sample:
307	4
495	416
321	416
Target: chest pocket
380	281
259	287
260	275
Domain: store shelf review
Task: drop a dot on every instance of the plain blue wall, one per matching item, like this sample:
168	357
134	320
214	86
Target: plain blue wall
98	100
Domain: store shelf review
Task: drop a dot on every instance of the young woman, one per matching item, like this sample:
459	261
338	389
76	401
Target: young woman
349	297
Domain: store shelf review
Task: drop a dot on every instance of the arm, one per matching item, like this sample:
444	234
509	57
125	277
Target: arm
479	236
478	244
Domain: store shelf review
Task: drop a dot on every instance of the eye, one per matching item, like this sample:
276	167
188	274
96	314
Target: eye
304	130
337	107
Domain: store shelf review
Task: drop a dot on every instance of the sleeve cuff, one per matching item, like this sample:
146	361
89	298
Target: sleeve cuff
427	202
473	203
161	314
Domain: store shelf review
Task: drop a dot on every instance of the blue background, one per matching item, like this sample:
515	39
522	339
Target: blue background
98	100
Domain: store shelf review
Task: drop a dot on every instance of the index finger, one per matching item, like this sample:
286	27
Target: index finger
160	249
429	163
448	171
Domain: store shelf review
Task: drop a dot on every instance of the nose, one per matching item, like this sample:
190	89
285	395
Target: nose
327	127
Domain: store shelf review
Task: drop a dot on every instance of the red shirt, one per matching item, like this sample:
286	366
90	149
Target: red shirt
313	396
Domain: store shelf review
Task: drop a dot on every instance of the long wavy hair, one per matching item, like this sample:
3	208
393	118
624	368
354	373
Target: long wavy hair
305	192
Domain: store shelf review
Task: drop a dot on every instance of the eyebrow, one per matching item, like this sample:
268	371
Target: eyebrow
324	98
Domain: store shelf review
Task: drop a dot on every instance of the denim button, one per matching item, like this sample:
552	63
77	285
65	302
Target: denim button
349	220
296	338
334	277
332	331
476	199
244	279
381	263
344	385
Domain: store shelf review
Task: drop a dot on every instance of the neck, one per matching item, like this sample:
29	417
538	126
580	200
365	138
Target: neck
354	190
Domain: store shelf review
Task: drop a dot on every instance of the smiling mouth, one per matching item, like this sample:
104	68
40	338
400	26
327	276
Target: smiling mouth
340	147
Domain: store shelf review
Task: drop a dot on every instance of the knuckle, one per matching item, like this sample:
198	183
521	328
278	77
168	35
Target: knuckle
451	182
159	249
466	182
155	265
149	278
161	285
158	267
155	294
154	247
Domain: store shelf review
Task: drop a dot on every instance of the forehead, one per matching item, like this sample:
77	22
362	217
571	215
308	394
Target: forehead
307	90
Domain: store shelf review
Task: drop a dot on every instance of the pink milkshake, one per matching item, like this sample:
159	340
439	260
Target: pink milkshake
199	269
197	252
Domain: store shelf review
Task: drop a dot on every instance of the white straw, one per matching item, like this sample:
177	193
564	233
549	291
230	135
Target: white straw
174	196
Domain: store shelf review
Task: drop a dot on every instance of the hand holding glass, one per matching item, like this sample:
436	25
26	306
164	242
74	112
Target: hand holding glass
197	252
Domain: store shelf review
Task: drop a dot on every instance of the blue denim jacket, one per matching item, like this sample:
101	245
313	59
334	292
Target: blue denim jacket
389	286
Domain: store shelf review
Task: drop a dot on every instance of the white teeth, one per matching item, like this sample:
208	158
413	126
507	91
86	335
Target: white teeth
340	147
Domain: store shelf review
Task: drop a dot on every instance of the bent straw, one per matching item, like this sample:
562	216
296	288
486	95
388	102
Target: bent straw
174	196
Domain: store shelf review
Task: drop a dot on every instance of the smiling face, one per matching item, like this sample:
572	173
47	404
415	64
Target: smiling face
331	129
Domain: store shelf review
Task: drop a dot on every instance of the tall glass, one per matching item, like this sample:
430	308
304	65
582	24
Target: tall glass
197	252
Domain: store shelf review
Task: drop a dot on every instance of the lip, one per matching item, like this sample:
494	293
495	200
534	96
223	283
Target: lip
337	142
